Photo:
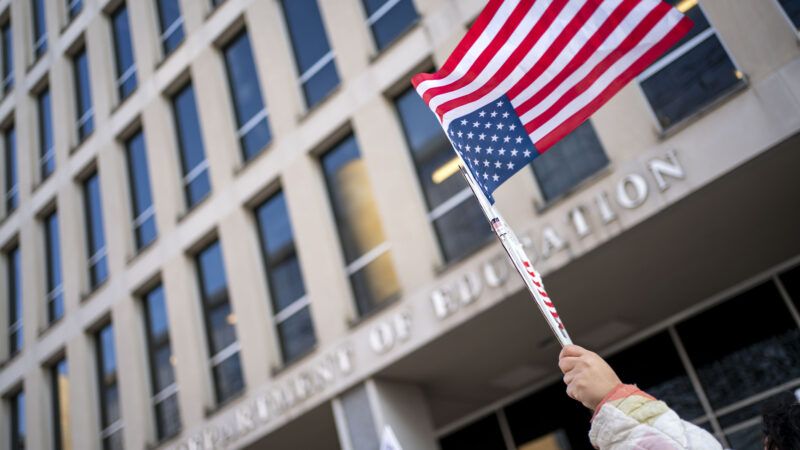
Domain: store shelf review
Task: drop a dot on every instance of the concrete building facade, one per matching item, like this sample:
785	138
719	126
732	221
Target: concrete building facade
222	227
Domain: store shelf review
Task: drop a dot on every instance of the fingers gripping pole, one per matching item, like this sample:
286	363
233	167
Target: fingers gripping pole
521	262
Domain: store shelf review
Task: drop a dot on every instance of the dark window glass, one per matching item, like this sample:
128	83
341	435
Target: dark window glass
292	315
461	227
39	28
47	154
18	427
171	21
193	155
74	7
55	292
215	3
110	417
95	235
791	282
251	115
144	218
757	349
483	434
365	250
8	56
664	377
792	8
59	390
14	296
563	420
313	54
123	49
695	79
220	320
83	94
573	159
12	183
389	18
165	394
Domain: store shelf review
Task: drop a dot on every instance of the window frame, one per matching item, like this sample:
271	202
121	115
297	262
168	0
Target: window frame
788	19
45	154
250	124
14	399
39	39
209	303
166	32
59	430
83	118
304	76
153	346
99	255
283	254
188	177
13	276
72	11
371	19
7	53
139	218
55	291
123	76
673	56
11	189
105	382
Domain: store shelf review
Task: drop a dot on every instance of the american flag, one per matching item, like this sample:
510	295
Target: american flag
528	72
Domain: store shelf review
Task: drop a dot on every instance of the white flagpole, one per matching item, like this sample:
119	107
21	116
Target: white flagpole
518	257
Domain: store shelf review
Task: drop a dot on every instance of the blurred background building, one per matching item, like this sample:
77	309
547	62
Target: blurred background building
231	224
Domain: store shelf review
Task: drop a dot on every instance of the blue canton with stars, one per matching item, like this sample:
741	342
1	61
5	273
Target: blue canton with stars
493	143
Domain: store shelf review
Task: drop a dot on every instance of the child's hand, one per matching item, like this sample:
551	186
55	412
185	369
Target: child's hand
588	377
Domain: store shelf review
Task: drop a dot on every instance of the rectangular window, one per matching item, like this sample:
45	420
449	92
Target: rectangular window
162	375
171	21
123	51
59	391
220	320
39	27
453	210
366	252
215	3
55	291
14	296
190	141
110	411
83	94
695	73
388	19
792	10
571	160
17	425
312	53
12	183
144	213
251	114
290	305
8	56
95	234
74	7
47	154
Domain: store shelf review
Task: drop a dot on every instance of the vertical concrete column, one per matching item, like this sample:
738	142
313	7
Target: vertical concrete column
318	249
84	407
348	35
392	175
277	70
132	373
364	414
36	408
73	245
187	335
102	73
117	223
249	297
194	13
145	33
217	122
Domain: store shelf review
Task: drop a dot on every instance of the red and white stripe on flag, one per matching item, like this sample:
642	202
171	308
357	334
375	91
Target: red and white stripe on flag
557	61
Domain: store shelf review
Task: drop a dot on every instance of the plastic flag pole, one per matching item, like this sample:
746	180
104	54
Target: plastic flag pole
516	253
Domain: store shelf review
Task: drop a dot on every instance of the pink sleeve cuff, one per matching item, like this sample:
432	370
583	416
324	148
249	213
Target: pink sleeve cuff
620	391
